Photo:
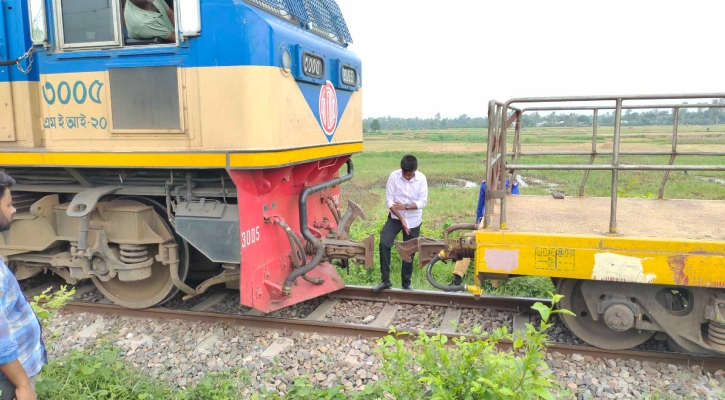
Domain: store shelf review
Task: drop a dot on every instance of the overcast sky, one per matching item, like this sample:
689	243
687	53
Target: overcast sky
453	56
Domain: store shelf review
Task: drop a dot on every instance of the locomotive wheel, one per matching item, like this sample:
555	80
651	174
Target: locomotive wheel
156	289
596	333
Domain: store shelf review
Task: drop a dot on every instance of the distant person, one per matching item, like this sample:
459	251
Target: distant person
149	19
462	266
22	352
406	194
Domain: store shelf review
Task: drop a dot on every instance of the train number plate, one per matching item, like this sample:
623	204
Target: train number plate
313	66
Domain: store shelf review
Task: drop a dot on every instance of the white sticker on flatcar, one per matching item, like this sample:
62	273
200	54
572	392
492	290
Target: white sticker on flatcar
619	268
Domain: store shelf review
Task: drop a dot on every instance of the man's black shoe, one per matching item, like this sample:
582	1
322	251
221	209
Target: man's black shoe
407	288
382	286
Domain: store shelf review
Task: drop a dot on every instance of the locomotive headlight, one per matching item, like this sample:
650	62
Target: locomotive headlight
286	59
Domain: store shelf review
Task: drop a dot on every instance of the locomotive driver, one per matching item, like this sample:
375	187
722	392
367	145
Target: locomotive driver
406	194
149	19
22	352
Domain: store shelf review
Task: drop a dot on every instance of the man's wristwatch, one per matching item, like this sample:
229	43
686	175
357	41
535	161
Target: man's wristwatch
406	206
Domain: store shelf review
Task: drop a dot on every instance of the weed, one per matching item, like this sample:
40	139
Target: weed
98	375
45	305
471	369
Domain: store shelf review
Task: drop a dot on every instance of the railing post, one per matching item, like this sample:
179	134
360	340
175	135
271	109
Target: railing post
516	147
594	152
615	167
492	121
675	122
503	173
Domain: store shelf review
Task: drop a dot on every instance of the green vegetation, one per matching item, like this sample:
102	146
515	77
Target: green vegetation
46	305
431	367
630	135
638	117
473	369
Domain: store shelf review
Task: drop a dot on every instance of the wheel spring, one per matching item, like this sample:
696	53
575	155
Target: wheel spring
134	253
716	333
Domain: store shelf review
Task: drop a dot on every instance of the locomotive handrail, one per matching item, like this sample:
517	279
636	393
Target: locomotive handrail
497	169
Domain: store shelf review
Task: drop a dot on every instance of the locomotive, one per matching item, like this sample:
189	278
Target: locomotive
216	156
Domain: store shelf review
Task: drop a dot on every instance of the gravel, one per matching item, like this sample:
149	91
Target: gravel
417	317
93	296
488	320
355	312
299	310
619	379
183	352
230	305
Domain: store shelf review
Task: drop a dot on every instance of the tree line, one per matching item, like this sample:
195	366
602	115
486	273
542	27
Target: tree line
691	116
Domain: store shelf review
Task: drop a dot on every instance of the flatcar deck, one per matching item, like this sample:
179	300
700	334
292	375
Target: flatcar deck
647	218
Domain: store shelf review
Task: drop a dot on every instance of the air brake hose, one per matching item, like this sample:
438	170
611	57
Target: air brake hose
298	252
319	246
445	288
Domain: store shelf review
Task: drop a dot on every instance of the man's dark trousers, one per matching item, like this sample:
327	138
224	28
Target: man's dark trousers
387	237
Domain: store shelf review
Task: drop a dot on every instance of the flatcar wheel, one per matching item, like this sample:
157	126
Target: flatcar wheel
596	333
156	289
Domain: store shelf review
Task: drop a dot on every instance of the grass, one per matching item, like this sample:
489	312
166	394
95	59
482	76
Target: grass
474	140
449	158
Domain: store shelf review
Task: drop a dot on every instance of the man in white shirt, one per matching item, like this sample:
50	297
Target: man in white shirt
406	194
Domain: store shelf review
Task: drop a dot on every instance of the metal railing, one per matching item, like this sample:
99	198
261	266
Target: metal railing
502	115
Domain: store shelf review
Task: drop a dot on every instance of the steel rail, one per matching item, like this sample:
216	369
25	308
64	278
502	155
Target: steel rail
436	298
707	363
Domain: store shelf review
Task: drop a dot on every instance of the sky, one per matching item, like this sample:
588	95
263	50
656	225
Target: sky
451	57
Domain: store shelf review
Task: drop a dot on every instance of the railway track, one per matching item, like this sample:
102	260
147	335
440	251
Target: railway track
391	305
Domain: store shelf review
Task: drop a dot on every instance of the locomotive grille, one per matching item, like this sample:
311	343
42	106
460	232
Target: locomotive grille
322	16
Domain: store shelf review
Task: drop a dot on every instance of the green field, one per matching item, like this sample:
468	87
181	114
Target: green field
452	158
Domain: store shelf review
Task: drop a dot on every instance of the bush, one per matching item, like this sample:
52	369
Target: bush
471	369
45	306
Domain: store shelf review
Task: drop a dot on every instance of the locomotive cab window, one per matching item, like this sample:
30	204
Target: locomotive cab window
115	23
148	21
